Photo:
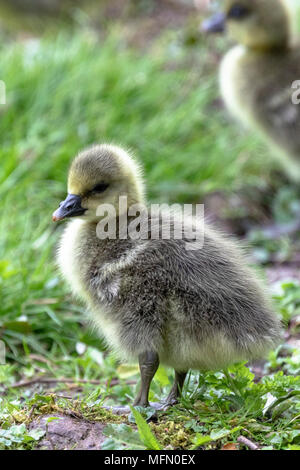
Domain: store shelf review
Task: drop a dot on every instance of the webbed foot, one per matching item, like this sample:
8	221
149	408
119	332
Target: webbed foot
172	398
141	401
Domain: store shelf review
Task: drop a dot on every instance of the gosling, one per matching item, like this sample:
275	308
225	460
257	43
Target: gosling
258	77
154	300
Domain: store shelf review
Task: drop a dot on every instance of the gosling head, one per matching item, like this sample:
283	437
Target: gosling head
257	24
100	175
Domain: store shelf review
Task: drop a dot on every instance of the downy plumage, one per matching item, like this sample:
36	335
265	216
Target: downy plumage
154	300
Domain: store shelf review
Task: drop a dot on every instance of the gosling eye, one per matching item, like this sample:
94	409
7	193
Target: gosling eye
238	12
100	188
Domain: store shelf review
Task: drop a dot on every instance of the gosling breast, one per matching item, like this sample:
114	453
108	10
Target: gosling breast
200	309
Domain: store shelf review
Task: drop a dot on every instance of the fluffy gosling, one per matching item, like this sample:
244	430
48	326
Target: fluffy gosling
257	75
152	299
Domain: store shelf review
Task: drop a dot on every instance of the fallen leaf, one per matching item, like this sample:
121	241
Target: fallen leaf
230	446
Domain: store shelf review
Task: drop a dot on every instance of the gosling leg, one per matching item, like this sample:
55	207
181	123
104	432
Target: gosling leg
176	390
149	362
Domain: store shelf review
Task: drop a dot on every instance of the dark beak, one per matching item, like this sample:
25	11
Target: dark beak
70	207
215	24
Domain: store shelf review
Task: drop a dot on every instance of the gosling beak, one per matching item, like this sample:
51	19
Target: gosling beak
215	24
70	207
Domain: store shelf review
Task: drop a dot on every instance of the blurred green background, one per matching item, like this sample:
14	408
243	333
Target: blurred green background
136	73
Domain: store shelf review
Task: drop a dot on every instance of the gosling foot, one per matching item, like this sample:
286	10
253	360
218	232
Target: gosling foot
141	401
170	401
172	398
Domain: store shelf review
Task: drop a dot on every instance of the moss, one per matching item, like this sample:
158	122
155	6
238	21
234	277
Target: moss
103	415
19	416
51	404
174	435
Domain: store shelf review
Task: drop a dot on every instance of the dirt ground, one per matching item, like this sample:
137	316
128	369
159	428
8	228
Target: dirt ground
68	433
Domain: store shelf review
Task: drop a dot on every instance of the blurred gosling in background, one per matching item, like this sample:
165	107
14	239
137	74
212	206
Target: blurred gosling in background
152	299
257	75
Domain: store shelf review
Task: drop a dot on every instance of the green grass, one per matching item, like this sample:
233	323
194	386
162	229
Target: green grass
65	93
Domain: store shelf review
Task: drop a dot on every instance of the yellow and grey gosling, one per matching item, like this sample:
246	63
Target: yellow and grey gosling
154	300
257	75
